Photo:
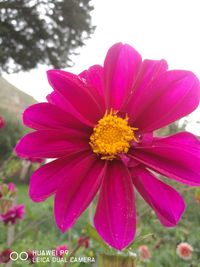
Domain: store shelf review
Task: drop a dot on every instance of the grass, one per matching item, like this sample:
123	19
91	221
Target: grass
38	232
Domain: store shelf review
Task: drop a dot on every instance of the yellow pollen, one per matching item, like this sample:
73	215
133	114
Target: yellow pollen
112	135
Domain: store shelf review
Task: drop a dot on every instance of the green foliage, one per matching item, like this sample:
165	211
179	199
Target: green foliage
13	101
172	128
164	241
36	32
38	231
10	169
9	137
91	232
12	104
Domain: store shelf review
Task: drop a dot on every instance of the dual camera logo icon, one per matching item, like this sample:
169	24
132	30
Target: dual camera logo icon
23	256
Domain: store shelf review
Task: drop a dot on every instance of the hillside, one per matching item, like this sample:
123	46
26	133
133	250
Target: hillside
12	104
12	100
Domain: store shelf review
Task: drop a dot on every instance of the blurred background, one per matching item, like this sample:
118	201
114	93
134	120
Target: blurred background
37	35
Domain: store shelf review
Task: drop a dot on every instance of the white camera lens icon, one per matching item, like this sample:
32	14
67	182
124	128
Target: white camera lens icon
23	256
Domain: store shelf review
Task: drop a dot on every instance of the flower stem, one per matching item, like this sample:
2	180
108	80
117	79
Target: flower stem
76	248
10	235
116	261
10	239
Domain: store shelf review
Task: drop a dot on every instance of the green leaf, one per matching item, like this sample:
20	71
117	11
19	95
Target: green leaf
95	236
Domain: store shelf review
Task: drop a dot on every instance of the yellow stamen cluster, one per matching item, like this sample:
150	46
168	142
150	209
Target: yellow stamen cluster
111	136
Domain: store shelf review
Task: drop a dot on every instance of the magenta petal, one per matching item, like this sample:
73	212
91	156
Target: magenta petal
82	181
176	156
166	202
121	68
59	100
70	86
46	180
149	71
115	218
51	144
170	97
47	116
95	79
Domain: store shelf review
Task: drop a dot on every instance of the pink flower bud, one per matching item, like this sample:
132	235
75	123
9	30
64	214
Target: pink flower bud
11	187
31	257
5	255
2	122
12	215
84	241
144	252
61	251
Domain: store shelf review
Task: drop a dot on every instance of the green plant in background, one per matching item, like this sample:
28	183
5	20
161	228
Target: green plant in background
9	137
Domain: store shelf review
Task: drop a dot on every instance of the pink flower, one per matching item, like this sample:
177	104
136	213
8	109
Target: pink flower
84	241
15	213
11	187
5	255
31	257
61	250
99	126
144	252
184	251
7	187
2	122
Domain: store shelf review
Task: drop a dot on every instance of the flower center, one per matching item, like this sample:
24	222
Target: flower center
112	135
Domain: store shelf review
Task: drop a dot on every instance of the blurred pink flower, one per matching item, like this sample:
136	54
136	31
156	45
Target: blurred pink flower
5	255
184	251
99	126
2	122
61	251
15	213
11	187
31	257
144	252
84	241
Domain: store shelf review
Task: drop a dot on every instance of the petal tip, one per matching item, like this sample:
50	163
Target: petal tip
33	196
18	150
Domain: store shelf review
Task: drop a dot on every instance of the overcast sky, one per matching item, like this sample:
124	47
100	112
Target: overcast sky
158	29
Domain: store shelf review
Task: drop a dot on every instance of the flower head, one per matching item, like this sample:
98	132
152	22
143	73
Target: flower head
11	187
99	126
84	241
8	189
2	122
184	251
5	255
61	251
15	213
8	193
144	252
